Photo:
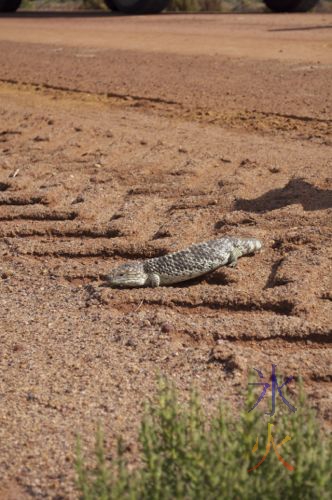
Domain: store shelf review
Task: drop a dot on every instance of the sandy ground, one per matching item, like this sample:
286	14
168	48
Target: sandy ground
128	138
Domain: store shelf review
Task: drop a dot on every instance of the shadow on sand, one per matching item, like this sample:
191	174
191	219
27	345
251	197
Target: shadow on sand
296	191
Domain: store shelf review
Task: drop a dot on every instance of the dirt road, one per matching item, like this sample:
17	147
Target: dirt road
128	138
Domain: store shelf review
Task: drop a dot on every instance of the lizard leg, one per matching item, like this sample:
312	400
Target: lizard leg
233	256
154	280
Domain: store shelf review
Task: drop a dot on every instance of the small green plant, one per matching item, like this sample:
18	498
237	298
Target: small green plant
185	455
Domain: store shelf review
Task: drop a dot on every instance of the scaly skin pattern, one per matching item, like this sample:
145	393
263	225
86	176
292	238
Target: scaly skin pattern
196	260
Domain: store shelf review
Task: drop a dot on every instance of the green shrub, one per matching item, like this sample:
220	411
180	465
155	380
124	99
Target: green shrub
185	455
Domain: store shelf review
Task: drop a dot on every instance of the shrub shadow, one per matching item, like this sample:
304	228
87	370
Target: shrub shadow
296	191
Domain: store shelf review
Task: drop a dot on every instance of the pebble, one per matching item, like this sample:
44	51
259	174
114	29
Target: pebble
166	328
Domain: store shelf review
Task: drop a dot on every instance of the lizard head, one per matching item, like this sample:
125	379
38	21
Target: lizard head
128	276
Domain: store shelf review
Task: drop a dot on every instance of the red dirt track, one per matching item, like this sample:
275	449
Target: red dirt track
125	138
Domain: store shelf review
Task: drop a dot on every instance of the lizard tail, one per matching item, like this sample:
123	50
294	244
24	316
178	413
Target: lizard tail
248	245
